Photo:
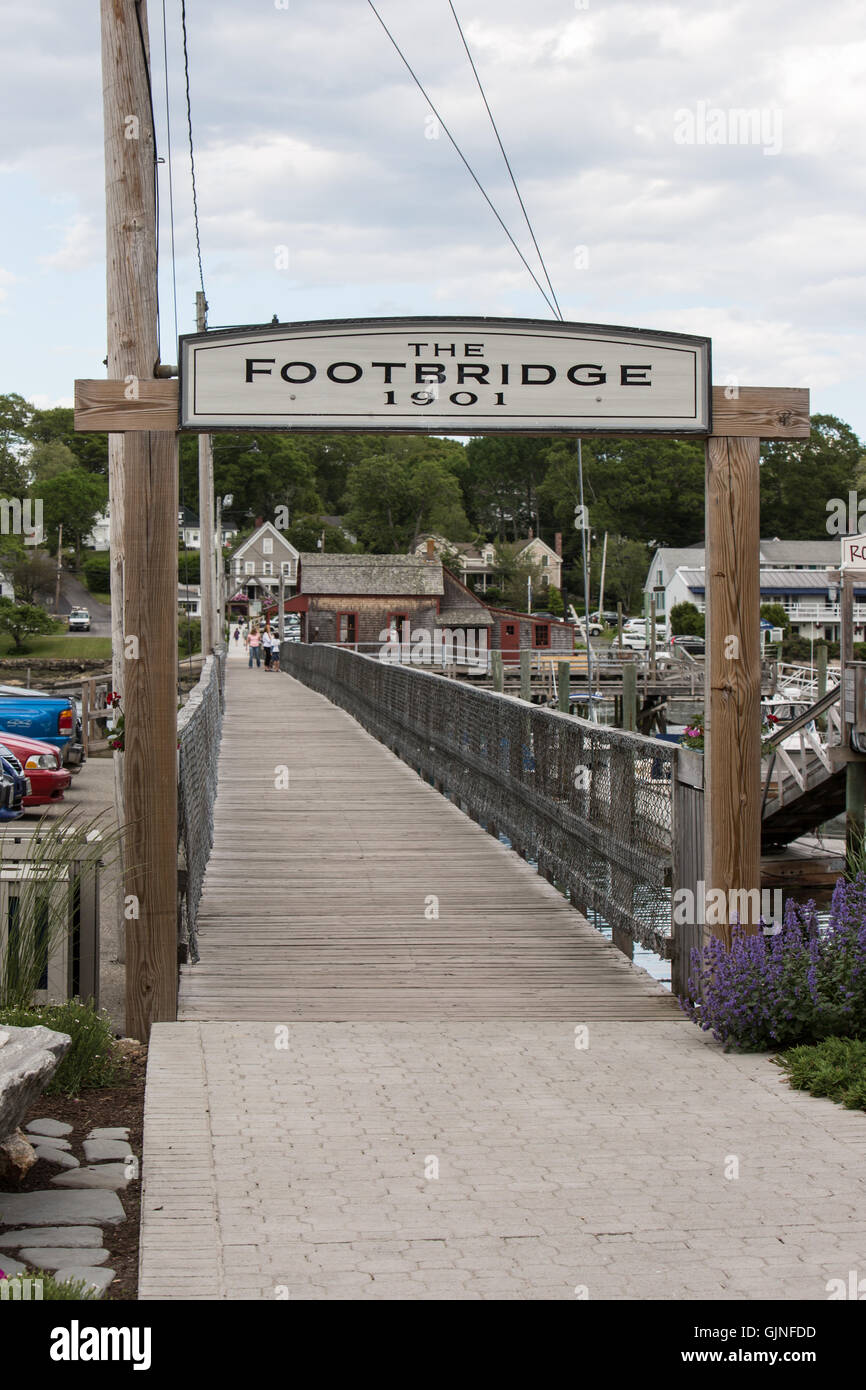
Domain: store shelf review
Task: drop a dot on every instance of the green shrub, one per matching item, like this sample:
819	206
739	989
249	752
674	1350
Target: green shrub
188	636
189	567
91	1061
835	1068
687	620
97	572
75	1290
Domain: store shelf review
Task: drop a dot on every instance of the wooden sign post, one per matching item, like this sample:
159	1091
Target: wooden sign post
150	489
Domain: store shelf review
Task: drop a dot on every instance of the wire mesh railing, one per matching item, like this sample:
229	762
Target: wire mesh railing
199	724
591	805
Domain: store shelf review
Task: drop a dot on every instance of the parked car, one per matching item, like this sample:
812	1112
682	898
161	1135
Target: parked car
51	718
79	620
14	786
608	616
689	642
42	765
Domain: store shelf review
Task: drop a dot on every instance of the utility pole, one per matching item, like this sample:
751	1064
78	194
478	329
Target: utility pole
59	567
210	637
149	520
601	586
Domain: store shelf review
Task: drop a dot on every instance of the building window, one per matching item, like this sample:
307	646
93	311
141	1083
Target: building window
287	568
249	566
347	627
545	561
399	623
268	545
542	634
267	567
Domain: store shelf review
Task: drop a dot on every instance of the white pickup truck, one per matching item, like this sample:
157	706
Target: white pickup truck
79	620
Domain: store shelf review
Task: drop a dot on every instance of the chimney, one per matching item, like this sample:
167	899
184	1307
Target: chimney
260	521
557	544
431	548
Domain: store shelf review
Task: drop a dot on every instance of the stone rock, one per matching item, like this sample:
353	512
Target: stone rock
49	1141
99	1150
58	1157
121	1132
29	1058
68	1236
60	1208
53	1129
127	1047
98	1278
10	1266
48	1257
107	1175
17	1157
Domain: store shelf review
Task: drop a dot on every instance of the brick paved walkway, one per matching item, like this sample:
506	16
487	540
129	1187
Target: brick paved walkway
307	1172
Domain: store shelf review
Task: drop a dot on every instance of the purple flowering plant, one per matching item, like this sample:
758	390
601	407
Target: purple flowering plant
798	985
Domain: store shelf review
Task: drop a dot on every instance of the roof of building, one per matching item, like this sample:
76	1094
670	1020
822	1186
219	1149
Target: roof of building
470	616
773	581
267	528
776	555
370	574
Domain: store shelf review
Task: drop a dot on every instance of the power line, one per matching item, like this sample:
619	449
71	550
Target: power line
146	63
170	172
191	150
505	157
471	171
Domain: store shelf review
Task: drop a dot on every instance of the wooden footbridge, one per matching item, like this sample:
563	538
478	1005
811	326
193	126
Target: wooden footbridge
341	886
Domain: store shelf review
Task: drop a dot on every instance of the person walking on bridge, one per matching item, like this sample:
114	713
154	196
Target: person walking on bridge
255	645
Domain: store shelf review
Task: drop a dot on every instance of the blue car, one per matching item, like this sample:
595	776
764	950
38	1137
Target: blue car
14	786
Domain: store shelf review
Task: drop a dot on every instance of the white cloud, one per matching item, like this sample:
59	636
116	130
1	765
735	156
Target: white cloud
83	244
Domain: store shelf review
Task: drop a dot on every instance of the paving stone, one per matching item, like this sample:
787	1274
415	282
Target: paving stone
108	1175
10	1266
57	1257
56	1128
52	1235
59	1157
99	1150
60	1208
118	1132
99	1279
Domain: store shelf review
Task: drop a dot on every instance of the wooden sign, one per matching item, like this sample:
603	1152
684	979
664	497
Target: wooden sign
854	552
445	375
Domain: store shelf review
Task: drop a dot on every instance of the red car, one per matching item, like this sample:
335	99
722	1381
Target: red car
42	763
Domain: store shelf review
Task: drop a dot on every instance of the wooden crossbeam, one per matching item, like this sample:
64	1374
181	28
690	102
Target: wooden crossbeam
762	412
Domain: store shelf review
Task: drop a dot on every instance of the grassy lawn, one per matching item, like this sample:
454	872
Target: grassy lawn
66	646
835	1068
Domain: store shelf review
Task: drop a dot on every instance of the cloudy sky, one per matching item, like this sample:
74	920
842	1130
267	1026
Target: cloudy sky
655	206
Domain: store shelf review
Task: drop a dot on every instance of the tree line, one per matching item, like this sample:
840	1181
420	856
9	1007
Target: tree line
389	490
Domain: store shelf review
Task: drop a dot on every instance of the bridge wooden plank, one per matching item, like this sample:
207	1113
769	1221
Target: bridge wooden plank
314	899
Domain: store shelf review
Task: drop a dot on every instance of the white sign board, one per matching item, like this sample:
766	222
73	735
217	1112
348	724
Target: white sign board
445	376
854	552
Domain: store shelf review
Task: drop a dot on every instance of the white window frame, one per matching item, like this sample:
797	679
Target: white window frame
249	566
267	568
267	545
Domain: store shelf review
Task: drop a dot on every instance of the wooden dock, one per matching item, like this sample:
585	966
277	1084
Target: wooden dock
358	893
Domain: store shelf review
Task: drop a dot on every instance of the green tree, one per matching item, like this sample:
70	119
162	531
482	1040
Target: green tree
97	572
305	533
32	572
391	501
551	599
49	459
72	499
188	567
501	476
774	613
687	620
800	478
21	620
15	417
514	569
55	426
625	572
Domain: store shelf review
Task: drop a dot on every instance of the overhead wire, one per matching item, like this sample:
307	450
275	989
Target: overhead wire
505	157
192	153
145	58
463	158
